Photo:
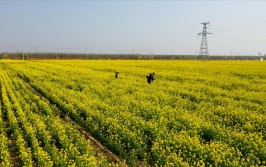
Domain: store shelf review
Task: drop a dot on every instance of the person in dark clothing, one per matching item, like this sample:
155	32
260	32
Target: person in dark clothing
149	78
116	74
153	76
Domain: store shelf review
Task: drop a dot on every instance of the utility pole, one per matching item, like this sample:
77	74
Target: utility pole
86	53
56	53
23	54
204	43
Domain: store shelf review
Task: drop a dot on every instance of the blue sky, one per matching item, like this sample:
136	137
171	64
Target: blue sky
116	26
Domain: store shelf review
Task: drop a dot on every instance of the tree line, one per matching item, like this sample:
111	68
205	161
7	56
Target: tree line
65	56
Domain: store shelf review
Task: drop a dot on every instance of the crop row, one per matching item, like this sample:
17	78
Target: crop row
41	136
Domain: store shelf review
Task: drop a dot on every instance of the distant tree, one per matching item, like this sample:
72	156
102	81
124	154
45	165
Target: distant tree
151	56
27	56
140	56
5	56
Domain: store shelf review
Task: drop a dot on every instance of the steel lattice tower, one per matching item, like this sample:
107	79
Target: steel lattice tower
204	43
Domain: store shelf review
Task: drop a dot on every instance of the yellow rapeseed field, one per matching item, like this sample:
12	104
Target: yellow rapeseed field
194	113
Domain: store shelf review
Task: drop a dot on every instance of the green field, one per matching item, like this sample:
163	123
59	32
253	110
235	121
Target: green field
195	113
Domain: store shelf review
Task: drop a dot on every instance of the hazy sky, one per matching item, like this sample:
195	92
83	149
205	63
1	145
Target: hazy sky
116	26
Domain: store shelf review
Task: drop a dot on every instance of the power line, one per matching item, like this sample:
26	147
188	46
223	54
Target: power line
237	10
240	19
241	27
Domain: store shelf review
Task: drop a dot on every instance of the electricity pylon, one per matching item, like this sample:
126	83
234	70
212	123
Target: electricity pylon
204	43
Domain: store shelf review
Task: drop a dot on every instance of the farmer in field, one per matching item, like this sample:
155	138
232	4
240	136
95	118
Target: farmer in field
153	76
150	77
116	74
